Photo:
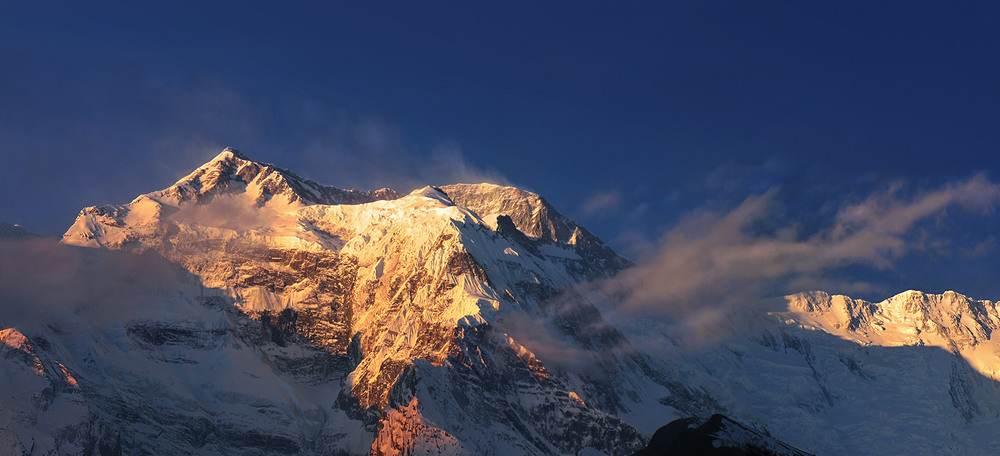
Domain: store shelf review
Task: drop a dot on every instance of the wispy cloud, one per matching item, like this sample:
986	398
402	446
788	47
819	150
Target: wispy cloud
980	249
369	153
311	136
235	212
540	337
713	262
602	204
43	282
448	164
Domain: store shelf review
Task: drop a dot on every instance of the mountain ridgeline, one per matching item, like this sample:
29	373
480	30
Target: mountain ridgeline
247	310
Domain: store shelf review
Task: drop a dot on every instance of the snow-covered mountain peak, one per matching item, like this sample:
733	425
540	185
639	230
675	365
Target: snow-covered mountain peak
433	193
409	292
229	154
229	192
534	217
232	151
231	172
531	213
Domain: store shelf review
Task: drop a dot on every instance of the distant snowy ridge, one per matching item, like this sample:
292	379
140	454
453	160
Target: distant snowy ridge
950	320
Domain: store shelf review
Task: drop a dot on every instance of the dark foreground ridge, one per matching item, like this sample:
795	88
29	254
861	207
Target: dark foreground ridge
719	436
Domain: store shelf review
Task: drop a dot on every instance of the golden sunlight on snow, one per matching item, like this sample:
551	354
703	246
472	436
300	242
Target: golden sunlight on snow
950	321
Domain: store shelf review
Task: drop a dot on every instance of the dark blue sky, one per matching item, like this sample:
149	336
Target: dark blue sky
629	117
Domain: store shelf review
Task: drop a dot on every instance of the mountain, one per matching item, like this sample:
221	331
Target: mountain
246	310
412	307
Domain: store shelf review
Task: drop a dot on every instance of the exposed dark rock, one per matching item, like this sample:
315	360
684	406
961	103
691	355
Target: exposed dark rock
719	436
